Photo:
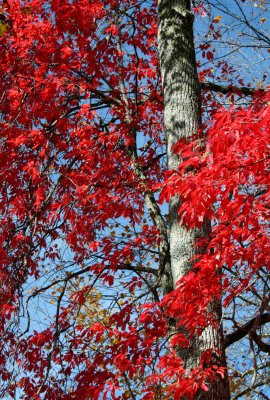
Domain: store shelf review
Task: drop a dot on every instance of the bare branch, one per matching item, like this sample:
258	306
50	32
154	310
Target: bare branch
259	342
225	89
243	331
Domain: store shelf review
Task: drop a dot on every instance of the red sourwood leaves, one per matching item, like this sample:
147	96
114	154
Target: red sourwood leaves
81	315
224	176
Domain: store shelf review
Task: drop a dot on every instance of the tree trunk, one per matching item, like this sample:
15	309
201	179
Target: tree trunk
182	119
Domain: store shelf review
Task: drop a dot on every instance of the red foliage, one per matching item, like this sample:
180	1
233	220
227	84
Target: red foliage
224	176
67	176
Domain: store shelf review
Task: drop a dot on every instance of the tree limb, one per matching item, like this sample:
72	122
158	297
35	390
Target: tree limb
242	331
260	343
225	89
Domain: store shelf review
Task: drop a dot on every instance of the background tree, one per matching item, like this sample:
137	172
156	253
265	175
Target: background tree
85	253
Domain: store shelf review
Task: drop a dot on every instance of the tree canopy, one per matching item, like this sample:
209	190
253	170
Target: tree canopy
89	195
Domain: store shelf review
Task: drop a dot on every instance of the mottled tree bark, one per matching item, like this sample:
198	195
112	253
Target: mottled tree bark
182	119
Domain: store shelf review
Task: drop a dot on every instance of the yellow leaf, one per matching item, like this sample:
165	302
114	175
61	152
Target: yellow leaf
27	10
3	29
217	18
263	20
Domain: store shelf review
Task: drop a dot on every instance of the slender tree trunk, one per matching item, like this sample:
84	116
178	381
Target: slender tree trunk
182	119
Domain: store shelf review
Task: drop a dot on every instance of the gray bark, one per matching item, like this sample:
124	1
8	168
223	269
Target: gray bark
182	119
